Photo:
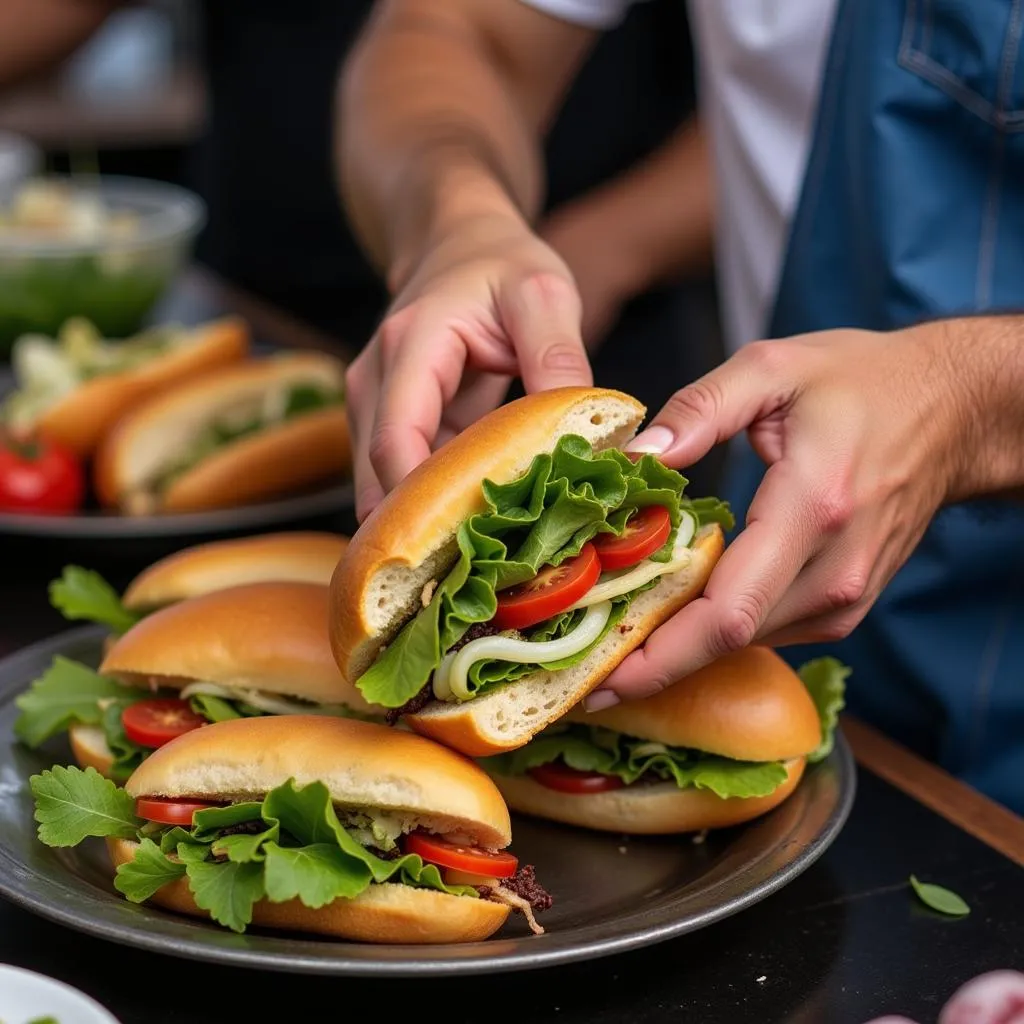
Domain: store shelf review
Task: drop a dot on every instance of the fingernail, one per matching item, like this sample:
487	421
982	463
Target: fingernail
600	699
654	440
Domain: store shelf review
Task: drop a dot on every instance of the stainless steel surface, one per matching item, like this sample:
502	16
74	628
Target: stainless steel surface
611	893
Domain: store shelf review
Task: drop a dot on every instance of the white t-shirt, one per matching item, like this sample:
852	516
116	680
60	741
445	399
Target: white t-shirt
761	63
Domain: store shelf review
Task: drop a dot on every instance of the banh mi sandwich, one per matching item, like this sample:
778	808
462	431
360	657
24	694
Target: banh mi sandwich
244	652
301	557
317	825
719	747
74	388
510	573
255	431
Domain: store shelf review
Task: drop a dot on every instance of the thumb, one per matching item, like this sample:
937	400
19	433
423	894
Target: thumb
744	389
542	314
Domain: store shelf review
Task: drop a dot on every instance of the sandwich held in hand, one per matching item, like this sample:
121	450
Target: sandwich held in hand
74	388
244	652
247	433
507	575
320	825
309	557
721	746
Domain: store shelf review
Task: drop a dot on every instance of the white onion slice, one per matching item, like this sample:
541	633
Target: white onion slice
258	699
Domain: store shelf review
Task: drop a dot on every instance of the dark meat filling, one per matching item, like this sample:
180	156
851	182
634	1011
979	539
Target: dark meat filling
524	884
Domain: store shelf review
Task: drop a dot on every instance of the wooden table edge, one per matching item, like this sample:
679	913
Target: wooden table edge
930	785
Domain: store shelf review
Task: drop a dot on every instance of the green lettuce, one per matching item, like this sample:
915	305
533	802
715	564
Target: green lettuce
596	749
294	848
84	594
565	499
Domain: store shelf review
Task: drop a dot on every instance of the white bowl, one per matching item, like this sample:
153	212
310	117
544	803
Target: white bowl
26	996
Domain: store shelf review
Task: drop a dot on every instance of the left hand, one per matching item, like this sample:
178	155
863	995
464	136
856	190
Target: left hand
993	998
862	433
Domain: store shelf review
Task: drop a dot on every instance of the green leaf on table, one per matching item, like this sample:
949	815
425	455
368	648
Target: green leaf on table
72	803
943	900
148	871
315	874
84	594
825	679
226	891
65	694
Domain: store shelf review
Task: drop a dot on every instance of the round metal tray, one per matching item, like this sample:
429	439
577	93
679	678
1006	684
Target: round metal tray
612	893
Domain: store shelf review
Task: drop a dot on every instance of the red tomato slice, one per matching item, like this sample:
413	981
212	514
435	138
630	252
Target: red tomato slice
561	777
167	811
152	723
645	532
551	591
40	477
462	858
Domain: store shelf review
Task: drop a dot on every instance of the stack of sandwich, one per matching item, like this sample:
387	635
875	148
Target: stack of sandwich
336	749
180	419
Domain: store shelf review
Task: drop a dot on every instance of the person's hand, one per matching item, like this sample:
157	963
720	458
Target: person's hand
994	998
490	302
861	433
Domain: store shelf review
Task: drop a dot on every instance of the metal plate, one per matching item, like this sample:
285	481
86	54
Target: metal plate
611	893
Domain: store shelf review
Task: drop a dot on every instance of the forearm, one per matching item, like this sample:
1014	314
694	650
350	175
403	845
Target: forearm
36	34
440	121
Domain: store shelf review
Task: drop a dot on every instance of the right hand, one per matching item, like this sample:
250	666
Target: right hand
489	303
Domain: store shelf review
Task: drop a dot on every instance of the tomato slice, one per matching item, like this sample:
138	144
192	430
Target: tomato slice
152	723
470	859
561	777
167	811
551	591
645	532
38	476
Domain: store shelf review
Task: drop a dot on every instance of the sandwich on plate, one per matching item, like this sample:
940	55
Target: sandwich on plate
719	747
245	652
84	595
510	573
259	430
319	825
74	388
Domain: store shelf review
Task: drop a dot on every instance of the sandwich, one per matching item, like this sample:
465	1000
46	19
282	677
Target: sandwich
84	595
719	747
74	388
330	827
508	575
245	433
244	652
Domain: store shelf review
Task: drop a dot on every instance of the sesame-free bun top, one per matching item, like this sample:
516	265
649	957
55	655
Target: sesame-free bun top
409	539
361	764
264	636
748	705
306	557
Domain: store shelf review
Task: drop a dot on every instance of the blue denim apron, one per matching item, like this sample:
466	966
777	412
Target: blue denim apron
913	207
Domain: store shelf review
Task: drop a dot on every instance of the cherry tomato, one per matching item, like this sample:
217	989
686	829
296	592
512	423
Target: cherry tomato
561	777
39	476
152	723
167	811
645	532
461	858
551	591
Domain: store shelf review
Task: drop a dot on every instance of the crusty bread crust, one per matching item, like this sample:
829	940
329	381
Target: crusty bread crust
89	746
512	715
748	705
287	456
266	636
81	418
650	809
409	539
389	913
362	765
300	557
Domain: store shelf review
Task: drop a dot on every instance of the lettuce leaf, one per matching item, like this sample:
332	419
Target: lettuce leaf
127	755
825	679
594	749
84	594
291	845
565	499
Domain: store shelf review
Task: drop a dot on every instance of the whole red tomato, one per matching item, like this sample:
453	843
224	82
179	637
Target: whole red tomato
39	476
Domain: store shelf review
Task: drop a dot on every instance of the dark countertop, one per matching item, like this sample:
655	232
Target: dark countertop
845	942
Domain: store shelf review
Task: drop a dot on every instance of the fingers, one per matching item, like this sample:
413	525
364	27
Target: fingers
362	381
746	584
542	315
993	998
751	385
478	394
